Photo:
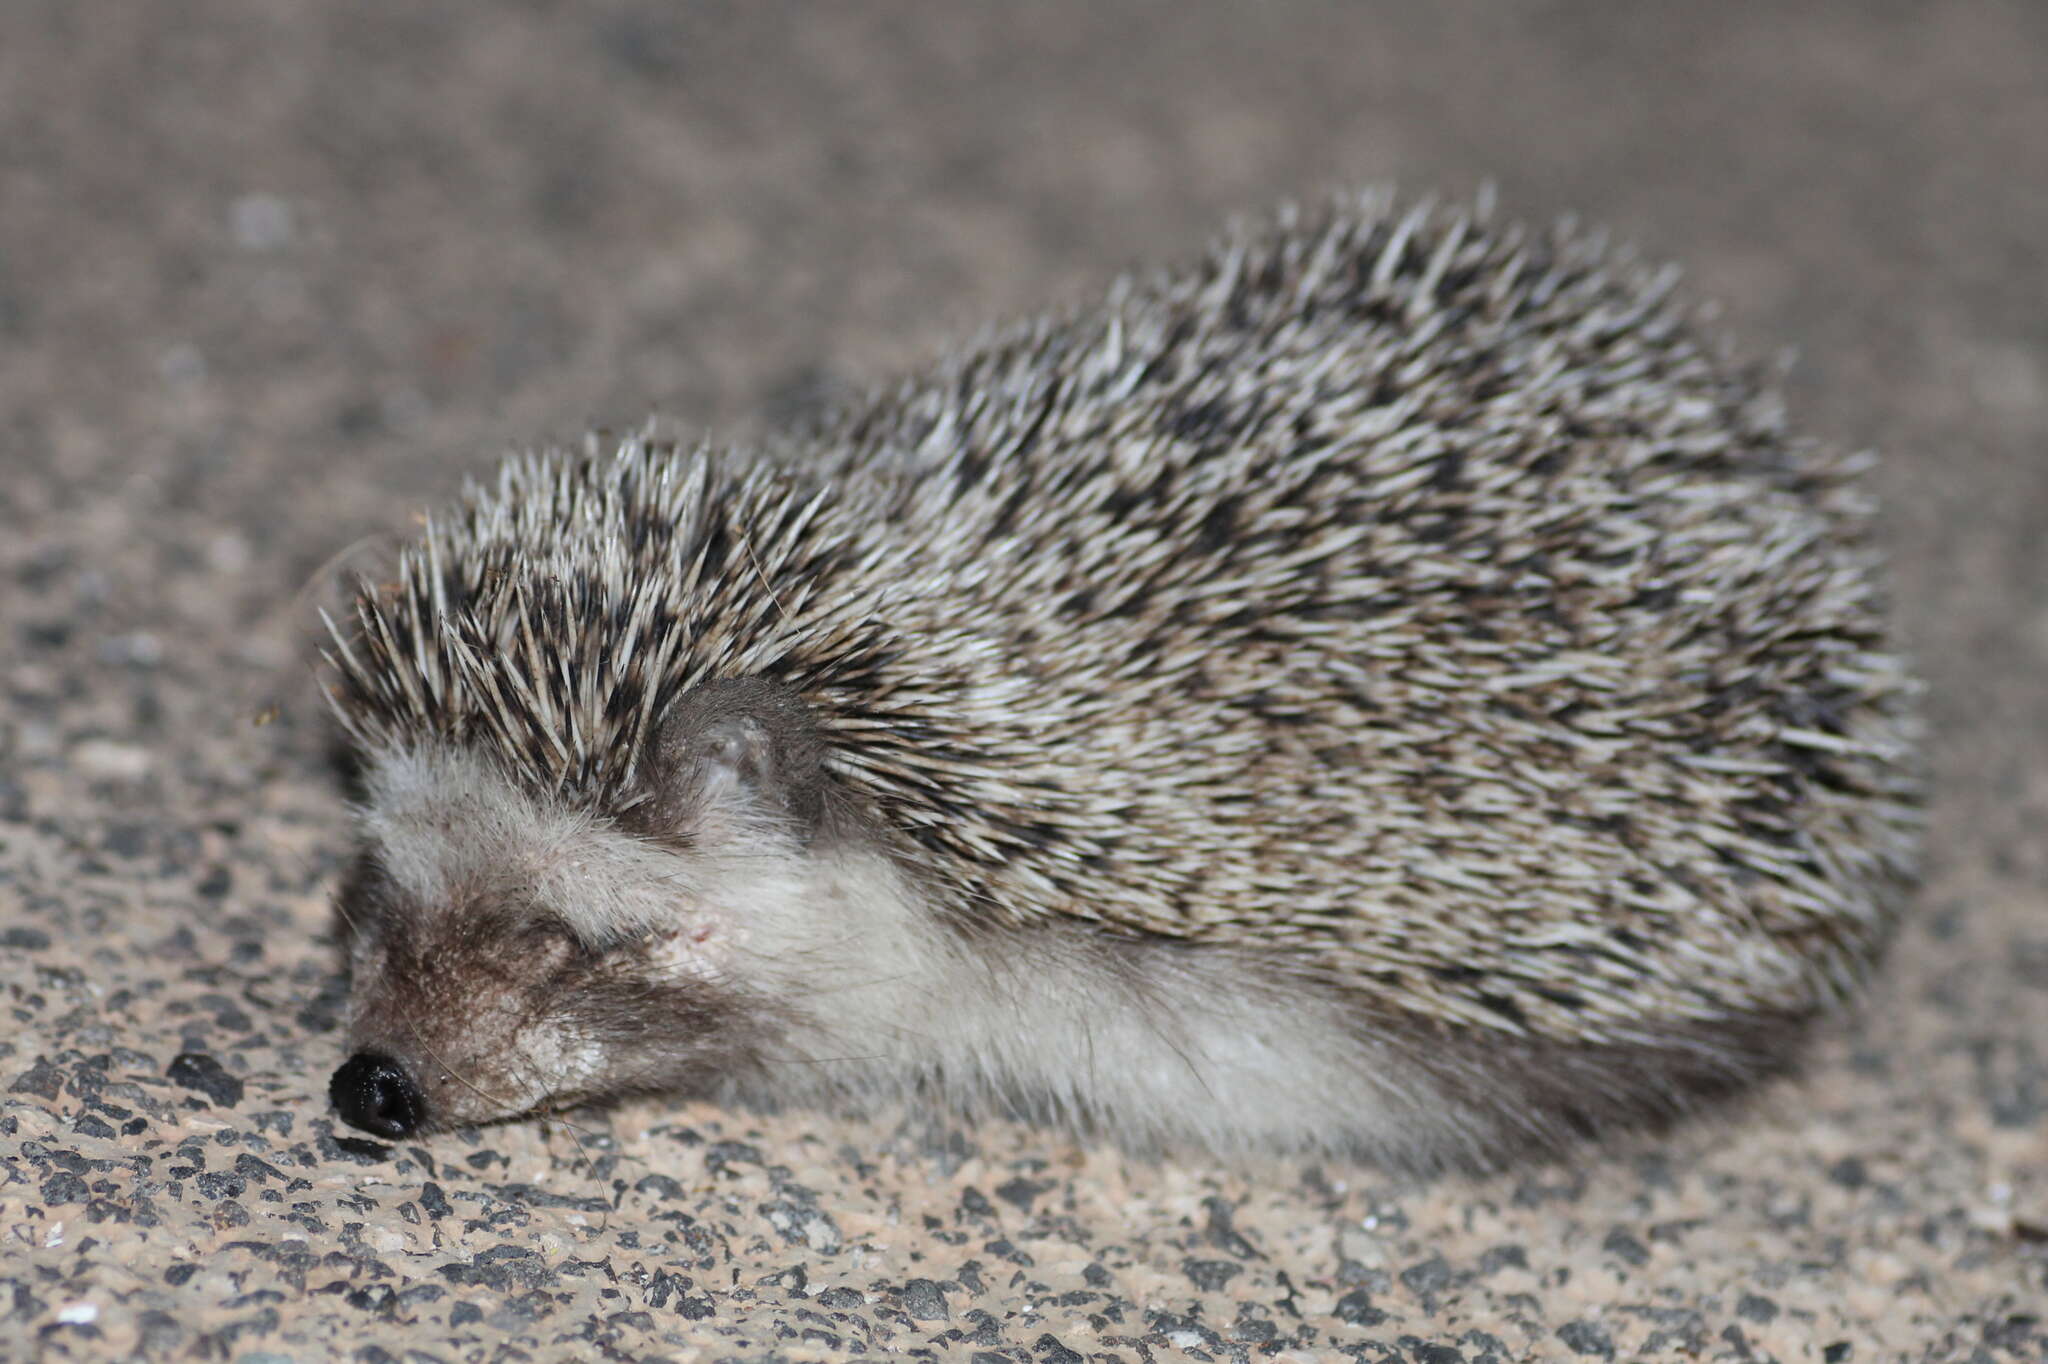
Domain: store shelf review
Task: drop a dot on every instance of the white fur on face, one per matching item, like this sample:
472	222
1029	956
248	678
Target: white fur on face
447	825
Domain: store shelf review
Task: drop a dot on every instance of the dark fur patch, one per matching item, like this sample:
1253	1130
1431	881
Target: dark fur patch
1509	1099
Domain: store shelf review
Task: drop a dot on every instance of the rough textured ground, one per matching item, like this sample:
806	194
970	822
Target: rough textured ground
272	276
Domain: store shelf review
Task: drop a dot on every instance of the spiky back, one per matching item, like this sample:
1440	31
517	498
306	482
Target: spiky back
1428	600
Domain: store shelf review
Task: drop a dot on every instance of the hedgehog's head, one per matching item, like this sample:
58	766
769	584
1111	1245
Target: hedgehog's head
512	953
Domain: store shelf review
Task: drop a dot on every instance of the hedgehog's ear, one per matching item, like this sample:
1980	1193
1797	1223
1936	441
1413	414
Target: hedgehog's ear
734	747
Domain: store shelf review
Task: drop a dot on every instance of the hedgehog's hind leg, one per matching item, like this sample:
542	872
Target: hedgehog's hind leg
1507	1099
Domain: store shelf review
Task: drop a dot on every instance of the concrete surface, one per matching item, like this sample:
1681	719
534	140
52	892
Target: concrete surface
273	276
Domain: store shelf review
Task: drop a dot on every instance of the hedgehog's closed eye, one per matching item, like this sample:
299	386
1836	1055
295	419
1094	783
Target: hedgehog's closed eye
545	931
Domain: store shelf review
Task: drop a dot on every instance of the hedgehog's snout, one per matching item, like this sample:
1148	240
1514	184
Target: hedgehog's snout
374	1093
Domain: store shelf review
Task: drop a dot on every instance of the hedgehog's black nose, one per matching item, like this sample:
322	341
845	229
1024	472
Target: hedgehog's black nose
374	1093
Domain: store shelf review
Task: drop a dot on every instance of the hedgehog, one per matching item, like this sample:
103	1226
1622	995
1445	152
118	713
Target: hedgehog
1393	690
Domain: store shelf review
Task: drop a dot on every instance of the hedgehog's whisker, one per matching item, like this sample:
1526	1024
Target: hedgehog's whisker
555	1117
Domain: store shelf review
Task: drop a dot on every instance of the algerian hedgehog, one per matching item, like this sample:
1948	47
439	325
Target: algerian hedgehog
1392	689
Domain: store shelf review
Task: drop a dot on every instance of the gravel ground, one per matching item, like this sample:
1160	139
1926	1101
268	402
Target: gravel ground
273	276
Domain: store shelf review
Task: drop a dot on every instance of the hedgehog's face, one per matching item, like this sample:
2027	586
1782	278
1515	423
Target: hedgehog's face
509	956
487	1003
